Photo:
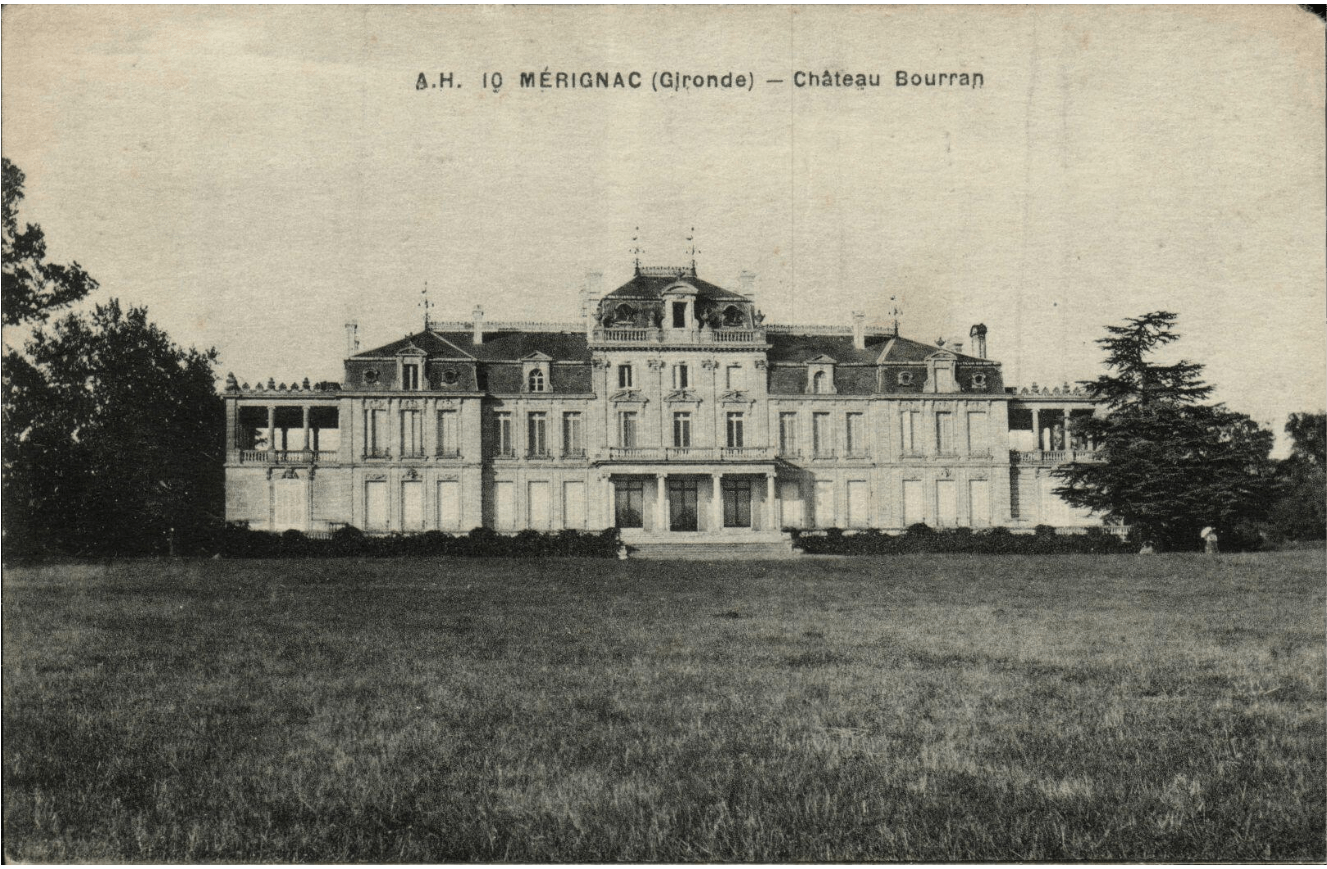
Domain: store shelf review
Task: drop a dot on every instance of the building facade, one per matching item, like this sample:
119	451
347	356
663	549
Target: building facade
670	410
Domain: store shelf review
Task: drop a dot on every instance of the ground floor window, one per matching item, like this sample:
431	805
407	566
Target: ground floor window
736	503
375	505
629	502
683	500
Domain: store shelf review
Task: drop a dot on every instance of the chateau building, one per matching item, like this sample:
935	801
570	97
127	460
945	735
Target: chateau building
671	410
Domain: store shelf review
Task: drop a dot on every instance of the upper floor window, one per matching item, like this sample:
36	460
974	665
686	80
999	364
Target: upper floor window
537	434
503	434
905	378
735	377
375	427
626	428
732	316
536	381
448	444
682	429
855	434
736	430
822	439
573	437
788	434
681	376
909	434
410	376
679	315
944	433
412	433
977	444
625	380
819	383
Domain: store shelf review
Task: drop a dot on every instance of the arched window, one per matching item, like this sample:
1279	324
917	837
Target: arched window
626	314
536	380
818	383
732	316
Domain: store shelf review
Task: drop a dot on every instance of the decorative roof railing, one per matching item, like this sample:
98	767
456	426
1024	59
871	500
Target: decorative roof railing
667	271
654	335
871	331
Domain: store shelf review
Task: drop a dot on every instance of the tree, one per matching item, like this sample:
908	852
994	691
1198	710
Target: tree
112	436
1300	513
32	287
1167	464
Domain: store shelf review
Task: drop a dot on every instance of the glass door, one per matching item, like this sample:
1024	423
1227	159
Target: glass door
682	505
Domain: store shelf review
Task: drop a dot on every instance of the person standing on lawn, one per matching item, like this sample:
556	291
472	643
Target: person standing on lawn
1208	534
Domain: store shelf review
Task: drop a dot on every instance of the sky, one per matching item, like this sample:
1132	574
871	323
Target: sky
259	176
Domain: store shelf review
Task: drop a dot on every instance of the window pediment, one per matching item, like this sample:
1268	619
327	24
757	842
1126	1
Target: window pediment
682	396
736	396
628	396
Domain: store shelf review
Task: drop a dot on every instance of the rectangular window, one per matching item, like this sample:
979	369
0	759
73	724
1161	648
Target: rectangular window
504	504
979	503
537	434
681	429
736	431
409	376
855	434
977	444
503	435
681	376
679	317
376	433
859	501
734	380
913	508
375	505
449	505
539	504
629	503
412	505
788	434
944	433
624	378
824	503
412	433
626	428
573	504
448	443
946	503
573	436
910	445
822	440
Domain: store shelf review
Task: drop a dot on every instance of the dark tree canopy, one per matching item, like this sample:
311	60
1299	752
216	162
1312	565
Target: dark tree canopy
32	287
1300	512
112	436
1308	437
1168	465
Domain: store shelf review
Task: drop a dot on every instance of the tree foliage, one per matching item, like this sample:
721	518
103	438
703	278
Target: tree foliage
1300	512
1167	464
112	436
32	287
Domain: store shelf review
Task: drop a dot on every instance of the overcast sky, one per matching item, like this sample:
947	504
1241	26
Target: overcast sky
257	176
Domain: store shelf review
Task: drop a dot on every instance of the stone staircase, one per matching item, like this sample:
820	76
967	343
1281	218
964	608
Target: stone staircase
712	551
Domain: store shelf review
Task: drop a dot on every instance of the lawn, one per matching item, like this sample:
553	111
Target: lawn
935	708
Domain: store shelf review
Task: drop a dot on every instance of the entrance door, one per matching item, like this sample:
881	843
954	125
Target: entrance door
682	505
290	505
736	503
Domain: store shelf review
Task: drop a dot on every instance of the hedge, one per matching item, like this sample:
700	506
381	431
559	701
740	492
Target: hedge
993	541
240	542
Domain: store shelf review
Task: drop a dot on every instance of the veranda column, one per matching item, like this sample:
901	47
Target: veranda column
771	507
306	428
661	502
271	428
716	505
1036	427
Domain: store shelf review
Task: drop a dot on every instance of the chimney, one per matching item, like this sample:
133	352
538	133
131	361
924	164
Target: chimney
859	330
478	315
747	284
978	335
352	339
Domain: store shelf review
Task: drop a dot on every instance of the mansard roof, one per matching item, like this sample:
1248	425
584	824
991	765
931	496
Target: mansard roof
801	349
499	346
648	284
907	350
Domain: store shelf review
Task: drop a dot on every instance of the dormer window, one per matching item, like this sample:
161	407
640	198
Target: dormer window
536	381
818	381
409	375
905	378
820	376
536	373
732	316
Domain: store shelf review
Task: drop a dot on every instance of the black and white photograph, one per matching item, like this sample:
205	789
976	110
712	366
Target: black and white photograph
664	434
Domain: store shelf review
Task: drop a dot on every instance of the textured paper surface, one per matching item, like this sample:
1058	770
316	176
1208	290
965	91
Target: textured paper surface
258	176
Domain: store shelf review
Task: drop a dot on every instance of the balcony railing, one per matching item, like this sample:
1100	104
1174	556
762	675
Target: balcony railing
632	335
686	454
288	457
1052	457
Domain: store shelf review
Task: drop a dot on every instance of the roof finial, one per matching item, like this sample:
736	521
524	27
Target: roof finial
691	249
895	310
635	248
425	304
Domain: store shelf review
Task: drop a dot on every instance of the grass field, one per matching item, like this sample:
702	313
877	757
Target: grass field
924	708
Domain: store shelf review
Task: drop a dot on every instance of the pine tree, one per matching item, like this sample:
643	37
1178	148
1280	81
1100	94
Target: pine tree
1167	464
